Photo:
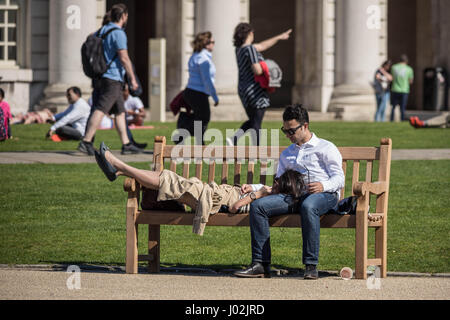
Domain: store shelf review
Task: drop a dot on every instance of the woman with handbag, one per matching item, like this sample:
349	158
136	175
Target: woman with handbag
254	98
201	80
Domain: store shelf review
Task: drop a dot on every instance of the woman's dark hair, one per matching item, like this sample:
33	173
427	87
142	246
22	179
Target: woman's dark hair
2	93
201	40
241	33
117	11
296	112
386	63
290	182
75	90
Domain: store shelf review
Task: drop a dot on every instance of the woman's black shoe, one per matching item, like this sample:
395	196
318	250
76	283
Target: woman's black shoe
107	168
255	270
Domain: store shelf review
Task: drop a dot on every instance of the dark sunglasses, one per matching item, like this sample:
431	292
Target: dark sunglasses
213	42
291	131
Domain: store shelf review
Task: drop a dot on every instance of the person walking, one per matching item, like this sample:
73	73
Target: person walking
108	97
254	98
320	162
403	77
200	84
382	81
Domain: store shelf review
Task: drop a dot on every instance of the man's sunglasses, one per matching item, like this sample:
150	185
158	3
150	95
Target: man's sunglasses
291	131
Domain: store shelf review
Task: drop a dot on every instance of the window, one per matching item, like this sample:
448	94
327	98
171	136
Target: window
9	15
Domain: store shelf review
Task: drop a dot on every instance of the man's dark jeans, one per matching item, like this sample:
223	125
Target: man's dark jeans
401	99
310	207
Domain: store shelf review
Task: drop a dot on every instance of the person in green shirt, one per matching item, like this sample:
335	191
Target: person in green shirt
403	76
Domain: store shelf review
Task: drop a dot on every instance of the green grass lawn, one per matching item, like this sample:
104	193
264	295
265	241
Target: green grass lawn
71	214
31	137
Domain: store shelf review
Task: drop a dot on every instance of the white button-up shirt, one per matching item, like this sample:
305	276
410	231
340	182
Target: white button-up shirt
318	160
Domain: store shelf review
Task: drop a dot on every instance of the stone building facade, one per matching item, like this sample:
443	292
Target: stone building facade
328	63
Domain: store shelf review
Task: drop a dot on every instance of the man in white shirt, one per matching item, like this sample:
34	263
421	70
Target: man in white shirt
71	123
321	164
134	108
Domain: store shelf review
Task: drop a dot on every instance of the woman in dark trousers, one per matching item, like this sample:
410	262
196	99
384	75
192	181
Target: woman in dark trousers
254	98
201	80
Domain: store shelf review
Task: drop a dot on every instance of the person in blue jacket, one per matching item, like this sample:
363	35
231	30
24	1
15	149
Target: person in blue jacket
201	80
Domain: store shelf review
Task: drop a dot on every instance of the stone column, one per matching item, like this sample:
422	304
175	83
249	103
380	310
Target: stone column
358	29
314	53
70	22
221	17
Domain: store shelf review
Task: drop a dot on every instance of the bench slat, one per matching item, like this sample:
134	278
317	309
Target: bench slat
355	177
198	169
211	171
173	166
369	168
250	172
186	170
265	152
222	219
344	168
237	172
224	179
262	175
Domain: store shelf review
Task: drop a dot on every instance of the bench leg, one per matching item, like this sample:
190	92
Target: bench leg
361	235
153	248
132	248
381	248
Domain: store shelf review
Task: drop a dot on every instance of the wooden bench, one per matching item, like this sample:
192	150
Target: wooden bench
363	186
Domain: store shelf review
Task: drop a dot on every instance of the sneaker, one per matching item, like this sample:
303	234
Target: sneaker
255	270
416	122
311	272
140	145
130	149
419	123
86	147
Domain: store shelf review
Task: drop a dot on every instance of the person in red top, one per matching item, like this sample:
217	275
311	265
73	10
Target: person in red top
6	112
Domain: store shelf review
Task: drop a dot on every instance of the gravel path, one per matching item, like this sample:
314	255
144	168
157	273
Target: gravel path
49	285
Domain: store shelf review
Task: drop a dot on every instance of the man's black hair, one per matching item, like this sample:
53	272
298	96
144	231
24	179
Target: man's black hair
117	11
296	112
75	90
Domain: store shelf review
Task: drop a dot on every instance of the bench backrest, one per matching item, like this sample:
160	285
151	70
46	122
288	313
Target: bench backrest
359	163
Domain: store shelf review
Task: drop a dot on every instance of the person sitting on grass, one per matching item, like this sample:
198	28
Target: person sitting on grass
440	121
71	123
203	198
134	108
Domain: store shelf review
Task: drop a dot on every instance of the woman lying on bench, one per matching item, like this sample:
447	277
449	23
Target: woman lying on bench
204	198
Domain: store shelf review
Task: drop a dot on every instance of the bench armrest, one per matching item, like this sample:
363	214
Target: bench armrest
129	185
361	188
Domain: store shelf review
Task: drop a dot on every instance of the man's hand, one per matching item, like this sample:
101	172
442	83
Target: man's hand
216	103
246	188
49	134
265	191
134	85
315	187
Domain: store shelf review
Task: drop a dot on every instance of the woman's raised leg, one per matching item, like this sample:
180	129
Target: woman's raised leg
147	178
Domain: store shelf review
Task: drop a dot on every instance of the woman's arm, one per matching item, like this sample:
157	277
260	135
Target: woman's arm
264	191
266	44
205	74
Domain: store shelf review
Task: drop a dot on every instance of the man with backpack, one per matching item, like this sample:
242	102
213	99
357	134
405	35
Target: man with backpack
108	86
